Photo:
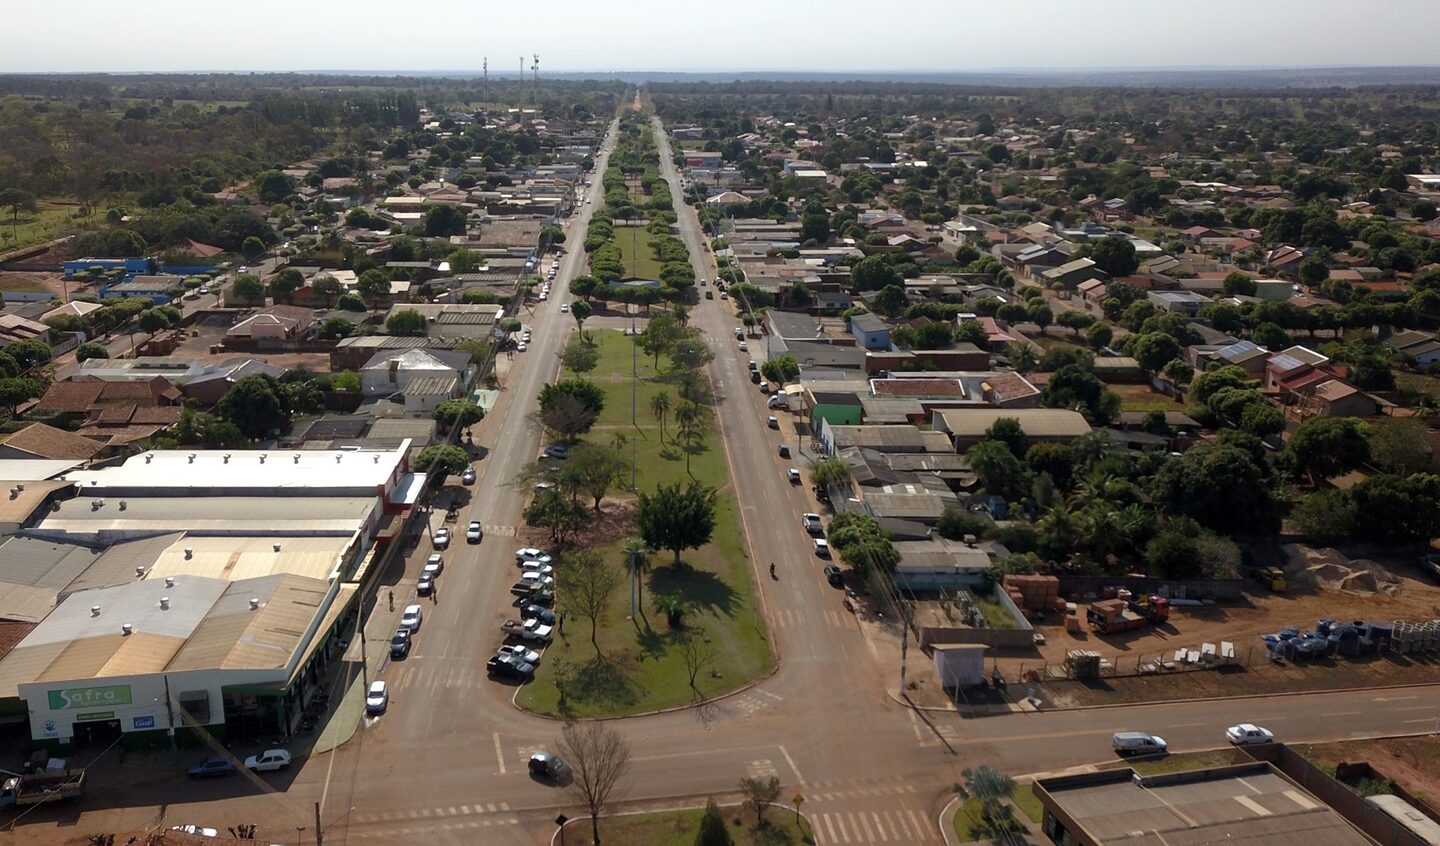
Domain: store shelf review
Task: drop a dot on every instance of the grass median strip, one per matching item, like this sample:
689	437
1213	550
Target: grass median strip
647	660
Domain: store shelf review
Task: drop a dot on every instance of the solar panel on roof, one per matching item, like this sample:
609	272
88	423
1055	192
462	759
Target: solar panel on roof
1239	347
1285	362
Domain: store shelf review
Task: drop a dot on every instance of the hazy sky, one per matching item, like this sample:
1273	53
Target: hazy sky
829	35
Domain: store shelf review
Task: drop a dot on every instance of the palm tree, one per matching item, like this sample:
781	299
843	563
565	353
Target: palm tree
689	418
674	609
637	557
682	314
660	406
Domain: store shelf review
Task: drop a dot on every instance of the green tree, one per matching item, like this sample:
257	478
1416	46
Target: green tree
336	327
346	380
1239	282
406	321
781	370
830	473
999	470
1270	336
593	469
373	286
17	201
272	186
570	407
15	390
676	518
257	406
934	336
1173	555
1099	336
558	513
1393	509
1314	270
891	300
955	523
441	221
712	830
579	355
1154	350
285	283
1114	255
1325	446
252	248
1219	486
1007	431
91	349
247	289
458	412
585	582
760	794
1039	313
581	311
1075	321
1325	517
328	289
660	407
873	273
584	286
1398	445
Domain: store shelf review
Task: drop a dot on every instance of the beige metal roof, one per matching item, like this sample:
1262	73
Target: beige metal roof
1035	422
112	655
17	505
23	664
237	636
233	558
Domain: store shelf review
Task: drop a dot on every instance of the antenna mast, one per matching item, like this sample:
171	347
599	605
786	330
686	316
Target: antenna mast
485	66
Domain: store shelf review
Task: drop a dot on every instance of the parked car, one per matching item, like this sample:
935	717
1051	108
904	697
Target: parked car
537	567
1127	743
778	400
412	617
764	387
822	547
545	765
520	653
810	522
743	346
425	586
530	553
709	295
433	568
507	667
468	477
198	830
1247	734
538	612
400	643
834	575
772	422
538	579
441	539
211	767
520	347
564	308
755	376
268	761
558	451
783	450
377	699
474	532
793	475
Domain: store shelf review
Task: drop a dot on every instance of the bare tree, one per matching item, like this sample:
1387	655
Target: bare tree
585	581
599	758
760	794
697	655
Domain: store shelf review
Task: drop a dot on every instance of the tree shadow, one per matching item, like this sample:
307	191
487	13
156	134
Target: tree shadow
671	453
603	681
699	589
652	644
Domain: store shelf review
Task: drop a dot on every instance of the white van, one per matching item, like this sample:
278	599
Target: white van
1128	743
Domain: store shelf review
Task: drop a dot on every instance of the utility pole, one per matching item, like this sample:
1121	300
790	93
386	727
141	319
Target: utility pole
485	72
319	835
535	70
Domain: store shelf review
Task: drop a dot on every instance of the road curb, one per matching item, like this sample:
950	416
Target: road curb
554	841
931	709
947	815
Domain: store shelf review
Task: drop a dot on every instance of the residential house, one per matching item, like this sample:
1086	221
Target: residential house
1187	303
870	331
1247	355
15	328
276	323
39	441
87	398
391	371
1284	259
1289	364
967	426
1337	398
1073	273
1420	347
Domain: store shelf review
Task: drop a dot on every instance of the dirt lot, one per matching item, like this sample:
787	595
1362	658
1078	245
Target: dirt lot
200	335
1412	762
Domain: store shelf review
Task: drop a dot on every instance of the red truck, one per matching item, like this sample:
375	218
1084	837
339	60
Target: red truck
1112	616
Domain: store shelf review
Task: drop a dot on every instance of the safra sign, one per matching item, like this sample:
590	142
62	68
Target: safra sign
89	697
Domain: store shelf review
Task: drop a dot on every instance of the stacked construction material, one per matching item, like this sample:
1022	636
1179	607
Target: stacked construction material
1034	593
1084	664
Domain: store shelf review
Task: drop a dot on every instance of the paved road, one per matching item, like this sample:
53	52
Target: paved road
446	764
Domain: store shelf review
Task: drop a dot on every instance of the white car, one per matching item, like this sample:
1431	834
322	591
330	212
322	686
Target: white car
822	548
544	296
441	538
535	578
520	347
198	830
411	617
377	699
434	566
530	553
267	761
537	567
564	308
474	532
520	653
743	346
1246	734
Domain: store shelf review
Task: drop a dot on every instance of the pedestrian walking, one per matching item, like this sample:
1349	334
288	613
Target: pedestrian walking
392	600
562	622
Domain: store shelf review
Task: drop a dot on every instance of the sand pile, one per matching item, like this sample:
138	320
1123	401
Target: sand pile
1330	569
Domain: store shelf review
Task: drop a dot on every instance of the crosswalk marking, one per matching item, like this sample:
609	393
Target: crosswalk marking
786	618
902	825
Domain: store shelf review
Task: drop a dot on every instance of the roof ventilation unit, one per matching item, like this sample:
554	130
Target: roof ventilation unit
149	457
254	603
189	552
122	505
169	581
192	458
277	547
140	572
126	628
262	458
165	602
94	610
227	458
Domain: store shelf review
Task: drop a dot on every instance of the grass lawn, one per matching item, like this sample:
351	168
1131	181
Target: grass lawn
1417	383
996	616
1029	804
645	669
968	824
1184	762
35	227
678	828
1141	398
636	254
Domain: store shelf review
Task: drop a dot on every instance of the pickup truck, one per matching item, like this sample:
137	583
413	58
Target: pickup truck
531	629
50	786
528	587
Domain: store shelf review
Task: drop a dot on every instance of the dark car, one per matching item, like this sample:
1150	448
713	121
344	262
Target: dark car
400	644
509	668
709	295
784	451
834	576
212	767
425	586
538	612
755	376
545	765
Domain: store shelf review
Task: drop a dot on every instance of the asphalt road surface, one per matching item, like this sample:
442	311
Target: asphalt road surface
446	764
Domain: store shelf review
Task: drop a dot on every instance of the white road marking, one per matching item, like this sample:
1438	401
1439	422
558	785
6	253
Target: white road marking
829	828
793	768
1344	713
499	755
919	822
844	833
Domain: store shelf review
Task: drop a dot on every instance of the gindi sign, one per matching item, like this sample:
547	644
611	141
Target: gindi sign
89	697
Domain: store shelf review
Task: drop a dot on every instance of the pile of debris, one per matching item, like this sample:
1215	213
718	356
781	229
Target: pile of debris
1332	570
